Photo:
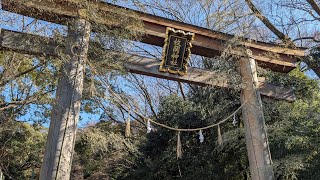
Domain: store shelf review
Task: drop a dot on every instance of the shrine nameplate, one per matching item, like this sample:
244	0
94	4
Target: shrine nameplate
176	51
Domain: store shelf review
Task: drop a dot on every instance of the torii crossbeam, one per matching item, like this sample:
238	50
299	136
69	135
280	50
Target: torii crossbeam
26	43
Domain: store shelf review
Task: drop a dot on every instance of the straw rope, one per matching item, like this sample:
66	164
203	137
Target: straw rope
160	124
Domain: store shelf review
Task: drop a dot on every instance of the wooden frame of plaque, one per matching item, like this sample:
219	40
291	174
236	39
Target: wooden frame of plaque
176	51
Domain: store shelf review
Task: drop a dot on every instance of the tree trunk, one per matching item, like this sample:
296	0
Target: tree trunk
65	114
255	132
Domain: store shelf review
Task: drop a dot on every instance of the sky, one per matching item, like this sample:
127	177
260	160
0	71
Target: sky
9	21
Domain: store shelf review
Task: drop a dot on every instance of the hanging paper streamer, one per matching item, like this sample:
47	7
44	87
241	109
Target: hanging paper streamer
234	122
128	129
219	136
179	147
148	127
201	137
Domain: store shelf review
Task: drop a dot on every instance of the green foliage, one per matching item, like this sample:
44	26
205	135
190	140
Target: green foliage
313	60
293	134
21	149
26	82
294	128
227	64
103	151
205	160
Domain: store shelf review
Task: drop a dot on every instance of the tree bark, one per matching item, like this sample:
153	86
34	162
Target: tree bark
255	131
65	114
314	6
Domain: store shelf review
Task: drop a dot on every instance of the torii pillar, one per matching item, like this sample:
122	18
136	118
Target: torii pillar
65	114
255	130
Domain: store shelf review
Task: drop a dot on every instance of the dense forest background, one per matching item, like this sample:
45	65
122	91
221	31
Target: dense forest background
28	84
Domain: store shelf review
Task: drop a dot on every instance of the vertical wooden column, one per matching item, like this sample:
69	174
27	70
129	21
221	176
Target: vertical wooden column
254	123
65	114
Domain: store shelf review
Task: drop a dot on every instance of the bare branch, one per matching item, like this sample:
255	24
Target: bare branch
147	95
307	38
181	89
28	100
315	6
4	82
266	22
278	33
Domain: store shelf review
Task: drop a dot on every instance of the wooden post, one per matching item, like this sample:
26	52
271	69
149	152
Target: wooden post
65	114
255	131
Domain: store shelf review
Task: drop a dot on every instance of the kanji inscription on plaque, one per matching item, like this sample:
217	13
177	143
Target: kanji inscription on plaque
176	51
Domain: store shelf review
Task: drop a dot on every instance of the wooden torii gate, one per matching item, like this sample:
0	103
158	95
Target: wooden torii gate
65	114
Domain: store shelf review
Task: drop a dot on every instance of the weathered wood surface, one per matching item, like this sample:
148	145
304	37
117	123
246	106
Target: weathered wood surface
255	130
22	42
66	110
28	43
207	42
